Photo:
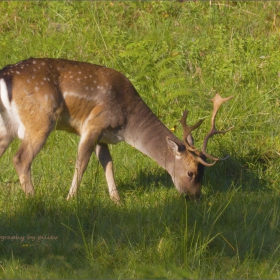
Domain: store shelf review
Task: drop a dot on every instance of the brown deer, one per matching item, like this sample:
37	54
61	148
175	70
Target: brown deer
101	105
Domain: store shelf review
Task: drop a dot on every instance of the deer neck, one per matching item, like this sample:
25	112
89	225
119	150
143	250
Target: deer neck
148	134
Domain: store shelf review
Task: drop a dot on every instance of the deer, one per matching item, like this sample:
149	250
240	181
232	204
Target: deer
39	95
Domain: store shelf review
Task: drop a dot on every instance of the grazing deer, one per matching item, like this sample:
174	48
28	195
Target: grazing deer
101	105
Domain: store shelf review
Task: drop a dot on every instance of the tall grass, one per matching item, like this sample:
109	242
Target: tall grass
178	55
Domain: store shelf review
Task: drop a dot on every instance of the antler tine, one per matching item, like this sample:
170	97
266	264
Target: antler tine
217	102
188	129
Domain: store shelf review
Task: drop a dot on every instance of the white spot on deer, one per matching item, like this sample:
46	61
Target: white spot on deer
71	94
34	62
17	63
18	72
43	63
36	88
28	81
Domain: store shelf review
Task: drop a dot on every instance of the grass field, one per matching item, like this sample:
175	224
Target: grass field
177	55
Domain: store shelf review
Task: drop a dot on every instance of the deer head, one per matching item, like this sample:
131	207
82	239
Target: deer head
189	162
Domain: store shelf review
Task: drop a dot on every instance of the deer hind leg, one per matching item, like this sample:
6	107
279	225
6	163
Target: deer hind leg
85	149
22	160
4	143
104	156
6	137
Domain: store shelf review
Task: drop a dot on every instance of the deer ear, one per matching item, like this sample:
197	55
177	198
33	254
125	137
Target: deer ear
173	147
190	140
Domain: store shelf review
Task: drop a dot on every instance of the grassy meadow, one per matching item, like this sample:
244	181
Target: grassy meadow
178	56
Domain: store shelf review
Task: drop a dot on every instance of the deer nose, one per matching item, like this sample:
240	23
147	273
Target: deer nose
197	196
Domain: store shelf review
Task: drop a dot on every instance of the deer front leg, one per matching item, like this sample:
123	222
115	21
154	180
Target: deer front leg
104	156
85	149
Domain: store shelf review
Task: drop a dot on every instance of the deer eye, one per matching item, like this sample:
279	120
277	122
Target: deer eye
190	174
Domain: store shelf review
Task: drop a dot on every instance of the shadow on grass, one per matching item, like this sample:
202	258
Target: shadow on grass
91	237
251	172
147	180
233	172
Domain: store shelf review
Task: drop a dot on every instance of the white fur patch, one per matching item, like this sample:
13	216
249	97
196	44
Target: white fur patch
71	94
10	121
17	121
4	94
3	129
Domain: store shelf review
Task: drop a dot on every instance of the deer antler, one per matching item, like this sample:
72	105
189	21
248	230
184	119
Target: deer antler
217	102
188	129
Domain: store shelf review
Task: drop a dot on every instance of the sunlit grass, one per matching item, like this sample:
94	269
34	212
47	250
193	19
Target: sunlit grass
178	55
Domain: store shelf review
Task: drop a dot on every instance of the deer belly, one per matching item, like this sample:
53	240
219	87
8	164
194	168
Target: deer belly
111	136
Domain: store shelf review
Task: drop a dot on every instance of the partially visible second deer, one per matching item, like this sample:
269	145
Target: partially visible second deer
101	105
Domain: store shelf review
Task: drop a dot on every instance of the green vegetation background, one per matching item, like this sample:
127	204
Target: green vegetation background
178	55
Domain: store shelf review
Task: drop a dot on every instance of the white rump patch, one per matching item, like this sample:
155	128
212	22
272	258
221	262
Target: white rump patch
3	129
11	118
4	94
